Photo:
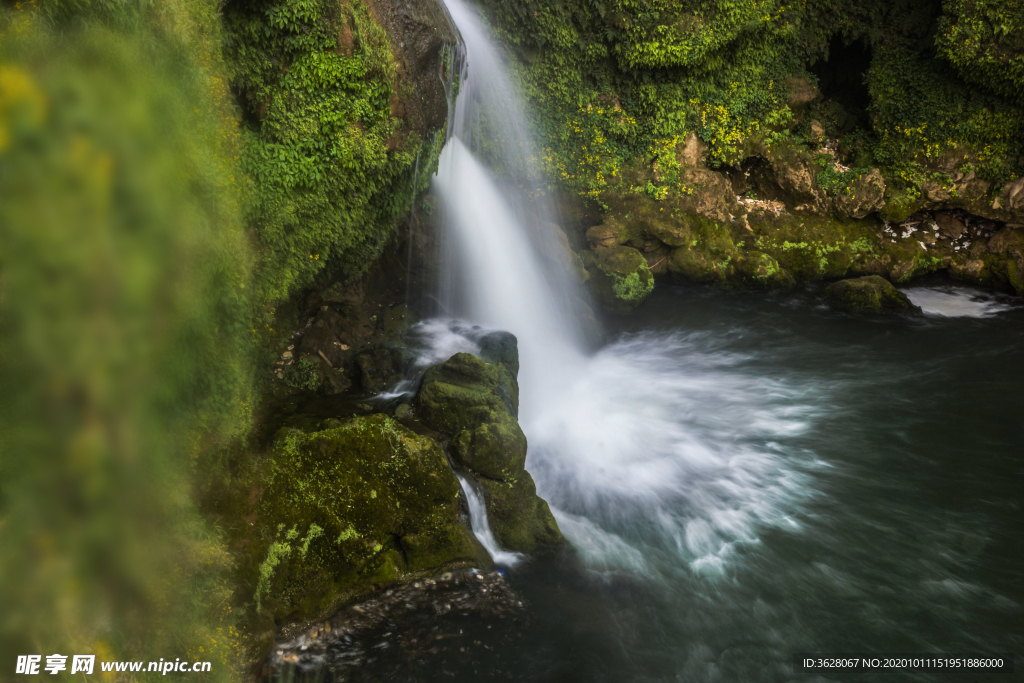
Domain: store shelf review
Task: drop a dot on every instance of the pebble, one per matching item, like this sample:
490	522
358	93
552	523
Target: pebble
371	641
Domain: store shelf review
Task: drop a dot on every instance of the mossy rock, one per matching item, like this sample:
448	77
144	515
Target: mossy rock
381	367
620	278
501	347
520	519
476	402
869	294
469	399
363	503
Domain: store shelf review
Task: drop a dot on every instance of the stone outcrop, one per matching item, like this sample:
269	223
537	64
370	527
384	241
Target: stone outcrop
868	294
362	502
419	31
475	403
770	223
620	278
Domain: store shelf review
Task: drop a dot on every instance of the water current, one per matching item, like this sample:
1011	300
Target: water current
742	476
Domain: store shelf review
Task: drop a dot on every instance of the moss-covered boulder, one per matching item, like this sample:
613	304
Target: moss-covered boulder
620	278
501	347
476	402
337	511
869	294
520	519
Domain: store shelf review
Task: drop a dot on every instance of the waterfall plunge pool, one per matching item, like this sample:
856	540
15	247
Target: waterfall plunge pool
744	477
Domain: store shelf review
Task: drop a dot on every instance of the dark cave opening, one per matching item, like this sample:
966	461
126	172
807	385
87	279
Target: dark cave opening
842	78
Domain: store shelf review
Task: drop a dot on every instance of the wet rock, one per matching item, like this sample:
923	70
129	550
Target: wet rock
404	412
869	294
406	632
419	30
381	367
1007	261
519	518
335	381
501	347
620	278
476	402
364	502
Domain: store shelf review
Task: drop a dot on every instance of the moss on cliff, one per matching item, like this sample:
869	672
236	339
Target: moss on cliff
621	81
329	144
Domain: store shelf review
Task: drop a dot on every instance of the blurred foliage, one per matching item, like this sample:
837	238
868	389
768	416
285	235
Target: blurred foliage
125	343
613	81
149	228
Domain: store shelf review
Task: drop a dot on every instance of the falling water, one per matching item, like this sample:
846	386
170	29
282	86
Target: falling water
481	528
649	445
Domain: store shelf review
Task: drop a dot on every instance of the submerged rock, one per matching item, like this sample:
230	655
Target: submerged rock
410	630
870	294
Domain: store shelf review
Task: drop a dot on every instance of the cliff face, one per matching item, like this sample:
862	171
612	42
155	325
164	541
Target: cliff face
344	104
758	144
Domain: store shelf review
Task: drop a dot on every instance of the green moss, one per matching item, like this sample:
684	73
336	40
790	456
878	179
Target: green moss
520	519
332	163
870	294
475	402
347	507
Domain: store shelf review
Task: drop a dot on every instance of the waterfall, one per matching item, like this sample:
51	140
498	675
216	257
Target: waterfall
499	237
653	445
481	528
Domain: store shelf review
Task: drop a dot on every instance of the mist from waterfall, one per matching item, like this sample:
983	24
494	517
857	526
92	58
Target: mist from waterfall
654	444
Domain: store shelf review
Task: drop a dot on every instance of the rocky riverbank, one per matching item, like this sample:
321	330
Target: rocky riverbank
768	223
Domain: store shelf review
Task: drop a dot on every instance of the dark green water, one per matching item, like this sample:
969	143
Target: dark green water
904	534
746	477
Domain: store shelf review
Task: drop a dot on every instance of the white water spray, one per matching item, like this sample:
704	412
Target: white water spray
651	446
957	302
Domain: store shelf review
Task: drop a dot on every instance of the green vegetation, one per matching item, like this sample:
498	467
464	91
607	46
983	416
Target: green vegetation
984	40
631	288
330	160
153	214
616	82
303	375
355	504
126	331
